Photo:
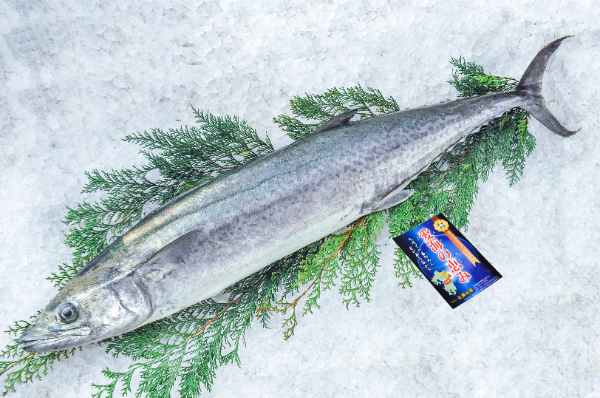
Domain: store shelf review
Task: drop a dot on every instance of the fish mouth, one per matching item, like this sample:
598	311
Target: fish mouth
32	343
50	344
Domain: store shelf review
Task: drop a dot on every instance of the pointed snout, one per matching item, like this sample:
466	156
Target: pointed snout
44	328
28	339
46	334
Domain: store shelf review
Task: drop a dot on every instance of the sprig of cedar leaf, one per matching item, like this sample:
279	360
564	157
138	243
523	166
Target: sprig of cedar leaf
318	108
184	157
189	346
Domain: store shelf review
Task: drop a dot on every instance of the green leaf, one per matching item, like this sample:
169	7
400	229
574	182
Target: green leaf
322	107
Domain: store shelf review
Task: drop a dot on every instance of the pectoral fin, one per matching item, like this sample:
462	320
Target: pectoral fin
394	198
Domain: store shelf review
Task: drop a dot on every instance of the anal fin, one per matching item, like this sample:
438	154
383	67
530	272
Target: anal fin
394	198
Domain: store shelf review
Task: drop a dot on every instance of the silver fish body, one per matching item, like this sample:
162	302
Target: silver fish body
222	231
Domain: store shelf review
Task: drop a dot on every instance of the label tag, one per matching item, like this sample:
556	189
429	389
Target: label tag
448	260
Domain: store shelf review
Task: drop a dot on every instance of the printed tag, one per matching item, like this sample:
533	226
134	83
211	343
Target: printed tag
448	260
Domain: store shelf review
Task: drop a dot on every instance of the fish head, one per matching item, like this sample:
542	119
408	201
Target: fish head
76	317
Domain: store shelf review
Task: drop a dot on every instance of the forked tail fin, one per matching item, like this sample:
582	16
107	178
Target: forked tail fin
530	86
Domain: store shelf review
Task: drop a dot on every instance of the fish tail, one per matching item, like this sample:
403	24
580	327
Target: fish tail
530	87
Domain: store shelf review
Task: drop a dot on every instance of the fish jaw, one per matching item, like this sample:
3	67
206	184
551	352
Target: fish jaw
33	340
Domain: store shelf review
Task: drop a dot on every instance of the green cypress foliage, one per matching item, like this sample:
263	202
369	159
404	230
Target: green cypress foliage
184	157
470	80
187	347
322	107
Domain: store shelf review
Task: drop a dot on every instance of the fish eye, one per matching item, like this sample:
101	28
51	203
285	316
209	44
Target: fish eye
68	313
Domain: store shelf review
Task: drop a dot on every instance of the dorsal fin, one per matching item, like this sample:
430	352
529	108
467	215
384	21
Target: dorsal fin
337	120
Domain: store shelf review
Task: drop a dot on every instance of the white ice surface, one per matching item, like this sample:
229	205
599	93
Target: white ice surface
75	78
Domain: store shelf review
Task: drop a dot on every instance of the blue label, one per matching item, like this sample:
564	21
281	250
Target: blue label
448	260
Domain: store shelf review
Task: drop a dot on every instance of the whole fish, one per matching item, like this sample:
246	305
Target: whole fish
218	233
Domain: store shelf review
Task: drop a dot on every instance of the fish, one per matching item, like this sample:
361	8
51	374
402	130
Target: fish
231	227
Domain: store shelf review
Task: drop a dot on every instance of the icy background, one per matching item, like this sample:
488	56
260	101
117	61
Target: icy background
76	78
